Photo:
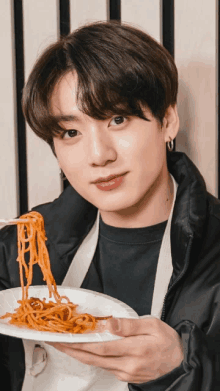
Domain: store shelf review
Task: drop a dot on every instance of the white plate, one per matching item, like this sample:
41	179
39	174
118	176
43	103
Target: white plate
94	303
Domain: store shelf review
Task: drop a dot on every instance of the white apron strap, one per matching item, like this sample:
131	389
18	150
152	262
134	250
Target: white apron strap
83	258
164	265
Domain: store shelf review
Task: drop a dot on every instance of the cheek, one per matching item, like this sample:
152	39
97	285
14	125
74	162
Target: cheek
124	144
129	147
70	159
149	155
136	148
73	162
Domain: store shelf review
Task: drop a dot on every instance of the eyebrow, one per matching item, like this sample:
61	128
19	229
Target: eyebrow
66	118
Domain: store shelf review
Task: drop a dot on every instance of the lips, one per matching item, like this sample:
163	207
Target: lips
111	184
107	179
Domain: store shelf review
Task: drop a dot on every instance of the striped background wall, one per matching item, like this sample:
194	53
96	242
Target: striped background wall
29	172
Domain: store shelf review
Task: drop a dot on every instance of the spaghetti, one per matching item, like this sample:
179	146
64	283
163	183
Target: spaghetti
60	316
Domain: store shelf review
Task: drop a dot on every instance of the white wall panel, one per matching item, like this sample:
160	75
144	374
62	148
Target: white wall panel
8	162
40	29
85	11
195	54
144	14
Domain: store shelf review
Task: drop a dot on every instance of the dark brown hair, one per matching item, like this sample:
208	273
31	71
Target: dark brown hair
120	70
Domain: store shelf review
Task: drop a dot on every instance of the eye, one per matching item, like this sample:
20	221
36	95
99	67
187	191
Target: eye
117	120
69	134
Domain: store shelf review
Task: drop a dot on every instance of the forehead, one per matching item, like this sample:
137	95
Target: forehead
63	98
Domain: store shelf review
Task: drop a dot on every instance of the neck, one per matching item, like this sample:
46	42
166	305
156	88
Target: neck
153	209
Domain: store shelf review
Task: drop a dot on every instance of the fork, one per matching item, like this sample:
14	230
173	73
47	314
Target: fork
13	221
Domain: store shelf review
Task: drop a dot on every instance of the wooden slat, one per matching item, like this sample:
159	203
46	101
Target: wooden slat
64	17
218	92
195	54
64	29
115	10
168	25
85	11
168	38
21	128
8	160
40	29
145	15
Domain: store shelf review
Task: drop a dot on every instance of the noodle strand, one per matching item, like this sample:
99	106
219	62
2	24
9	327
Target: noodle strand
34	313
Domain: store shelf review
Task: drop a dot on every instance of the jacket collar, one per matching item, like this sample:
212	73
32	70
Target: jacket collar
190	209
69	218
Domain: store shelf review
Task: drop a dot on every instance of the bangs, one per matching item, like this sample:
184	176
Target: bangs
99	103
105	89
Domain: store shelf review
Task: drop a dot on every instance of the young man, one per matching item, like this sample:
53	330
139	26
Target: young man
104	98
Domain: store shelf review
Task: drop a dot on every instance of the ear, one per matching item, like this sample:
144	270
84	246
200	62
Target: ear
171	123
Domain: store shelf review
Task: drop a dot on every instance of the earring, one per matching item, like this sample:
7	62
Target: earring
170	145
62	175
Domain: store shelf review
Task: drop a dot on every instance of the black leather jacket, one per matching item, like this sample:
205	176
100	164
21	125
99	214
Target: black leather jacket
192	303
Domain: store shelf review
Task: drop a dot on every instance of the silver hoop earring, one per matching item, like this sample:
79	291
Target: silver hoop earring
170	145
62	175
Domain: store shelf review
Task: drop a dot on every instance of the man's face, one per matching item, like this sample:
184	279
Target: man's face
91	149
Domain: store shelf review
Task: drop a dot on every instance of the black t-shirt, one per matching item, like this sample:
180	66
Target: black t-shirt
125	262
124	266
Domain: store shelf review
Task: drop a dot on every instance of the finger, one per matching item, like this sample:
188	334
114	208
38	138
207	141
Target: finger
126	347
111	348
108	363
126	377
131	327
125	369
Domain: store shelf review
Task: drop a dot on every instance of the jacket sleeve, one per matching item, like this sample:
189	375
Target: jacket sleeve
160	384
7	234
200	370
11	365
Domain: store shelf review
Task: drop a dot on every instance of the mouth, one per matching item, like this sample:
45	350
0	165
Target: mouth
112	183
108	178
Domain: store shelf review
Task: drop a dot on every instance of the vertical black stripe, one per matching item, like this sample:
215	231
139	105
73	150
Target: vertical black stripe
64	8
218	48
64	25
168	29
21	128
115	10
168	25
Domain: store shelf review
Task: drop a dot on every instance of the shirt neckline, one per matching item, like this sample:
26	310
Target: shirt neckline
141	235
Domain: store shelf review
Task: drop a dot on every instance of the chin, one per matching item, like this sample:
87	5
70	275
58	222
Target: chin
112	206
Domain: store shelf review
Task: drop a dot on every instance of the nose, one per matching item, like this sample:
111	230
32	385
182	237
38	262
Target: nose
101	149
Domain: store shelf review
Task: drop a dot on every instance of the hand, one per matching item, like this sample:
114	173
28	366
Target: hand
149	350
